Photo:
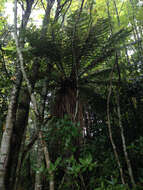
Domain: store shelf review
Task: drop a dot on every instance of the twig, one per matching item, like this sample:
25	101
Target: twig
29	146
63	19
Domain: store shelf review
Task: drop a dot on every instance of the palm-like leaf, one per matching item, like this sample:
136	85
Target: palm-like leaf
75	53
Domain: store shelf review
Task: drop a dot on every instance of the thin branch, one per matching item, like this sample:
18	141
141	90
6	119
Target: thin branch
22	5
129	166
29	146
47	159
91	8
43	5
63	19
27	13
121	7
33	99
59	9
35	4
110	129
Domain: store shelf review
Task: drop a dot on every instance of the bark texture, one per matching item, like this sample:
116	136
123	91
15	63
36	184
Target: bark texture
19	129
12	108
6	139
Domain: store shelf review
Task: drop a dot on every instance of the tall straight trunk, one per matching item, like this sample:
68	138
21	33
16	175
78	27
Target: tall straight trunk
38	182
19	129
40	154
12	108
136	31
47	159
42	149
119	111
38	176
129	166
119	24
110	131
6	138
17	136
43	153
29	87
108	113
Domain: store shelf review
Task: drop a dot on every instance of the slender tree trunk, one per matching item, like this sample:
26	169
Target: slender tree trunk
15	178
12	108
124	143
38	176
108	114
136	31
119	23
19	129
47	158
42	145
40	152
110	131
119	112
6	139
38	113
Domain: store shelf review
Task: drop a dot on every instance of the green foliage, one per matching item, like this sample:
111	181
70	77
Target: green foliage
65	134
111	185
54	166
82	51
85	164
136	146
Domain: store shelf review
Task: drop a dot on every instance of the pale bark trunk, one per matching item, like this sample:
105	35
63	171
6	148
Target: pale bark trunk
38	177
17	135
47	158
118	20
108	115
42	149
29	87
19	129
124	143
119	115
6	139
136	32
110	131
40	153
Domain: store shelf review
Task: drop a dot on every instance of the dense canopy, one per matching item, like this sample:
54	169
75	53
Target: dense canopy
71	95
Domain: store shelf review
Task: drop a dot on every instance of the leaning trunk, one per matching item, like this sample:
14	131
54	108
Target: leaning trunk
7	135
6	139
18	130
17	136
